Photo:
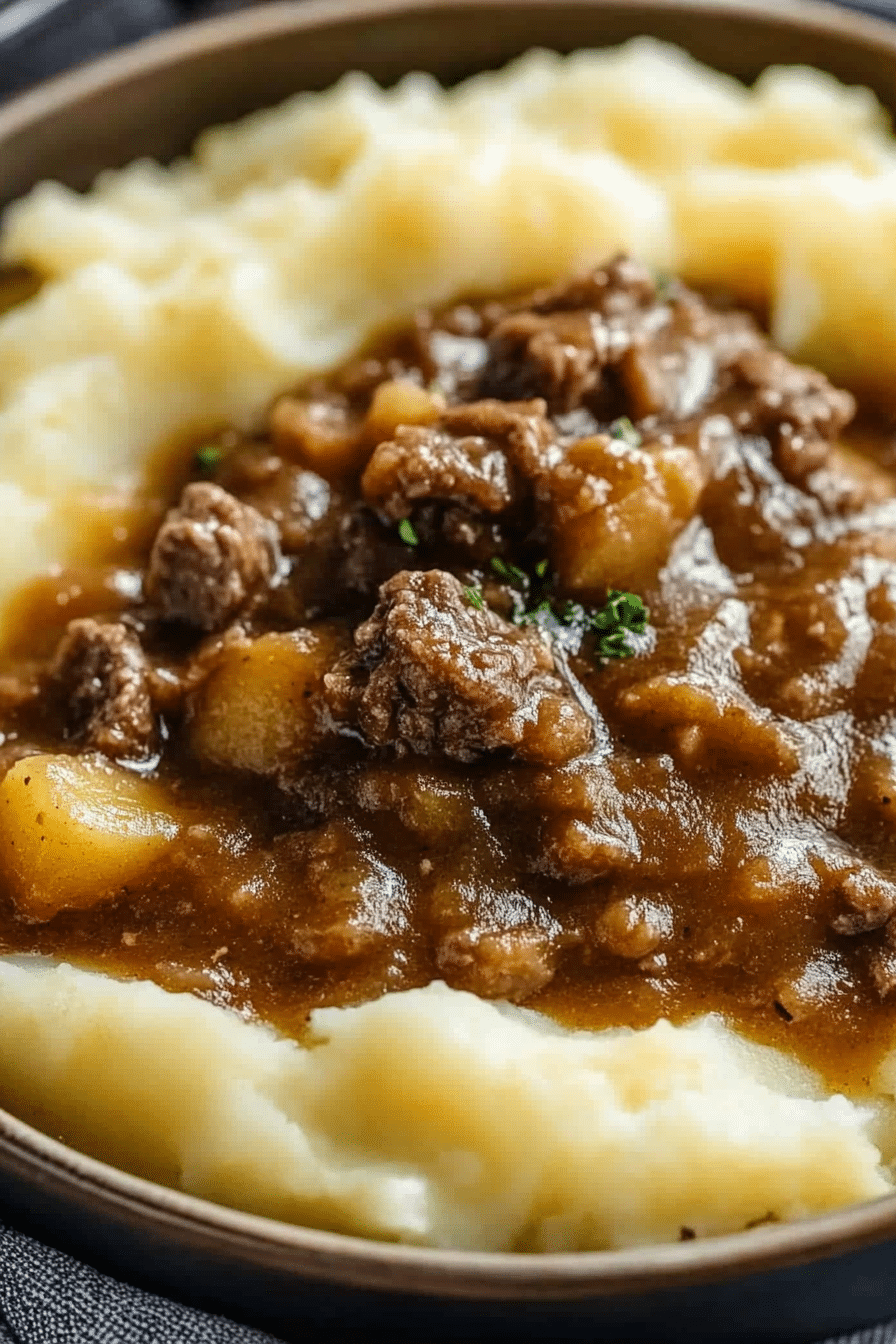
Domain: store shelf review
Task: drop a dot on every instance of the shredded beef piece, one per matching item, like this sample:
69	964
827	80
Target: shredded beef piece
212	556
559	356
558	346
433	673
795	407
103	672
475	455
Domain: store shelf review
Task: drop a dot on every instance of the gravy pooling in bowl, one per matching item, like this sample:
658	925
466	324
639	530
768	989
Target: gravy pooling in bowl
545	649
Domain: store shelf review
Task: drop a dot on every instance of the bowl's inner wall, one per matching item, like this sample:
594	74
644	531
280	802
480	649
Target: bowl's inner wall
159	112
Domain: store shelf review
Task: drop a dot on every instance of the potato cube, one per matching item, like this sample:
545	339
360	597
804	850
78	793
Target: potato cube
322	435
258	709
400	402
76	830
617	509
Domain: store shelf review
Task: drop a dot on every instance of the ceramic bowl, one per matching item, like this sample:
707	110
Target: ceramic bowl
786	1283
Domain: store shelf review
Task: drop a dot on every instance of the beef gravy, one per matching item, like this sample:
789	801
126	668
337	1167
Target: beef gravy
547	648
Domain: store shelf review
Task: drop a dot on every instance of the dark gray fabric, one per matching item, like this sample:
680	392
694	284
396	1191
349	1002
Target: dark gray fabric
47	1297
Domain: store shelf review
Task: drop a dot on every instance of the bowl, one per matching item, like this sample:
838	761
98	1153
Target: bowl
793	1283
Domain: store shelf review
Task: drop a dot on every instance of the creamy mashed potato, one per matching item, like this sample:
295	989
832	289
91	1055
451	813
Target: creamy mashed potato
183	296
434	1117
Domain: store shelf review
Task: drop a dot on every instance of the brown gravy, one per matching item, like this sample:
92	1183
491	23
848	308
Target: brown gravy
725	838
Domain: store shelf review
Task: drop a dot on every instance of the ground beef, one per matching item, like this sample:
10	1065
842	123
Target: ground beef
212	556
103	674
479	455
433	673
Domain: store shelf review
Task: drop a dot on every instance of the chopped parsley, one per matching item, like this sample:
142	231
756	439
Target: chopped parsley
621	613
538	615
407	533
624	429
666	286
512	573
208	457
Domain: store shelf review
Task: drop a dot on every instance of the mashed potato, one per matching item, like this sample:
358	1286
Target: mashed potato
433	1117
179	297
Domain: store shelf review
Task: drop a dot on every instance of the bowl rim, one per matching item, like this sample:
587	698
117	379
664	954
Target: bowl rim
333	1257
206	36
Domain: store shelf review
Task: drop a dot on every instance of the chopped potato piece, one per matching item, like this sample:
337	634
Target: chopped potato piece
74	831
705	724
400	402
617	510
258	708
322	435
874	788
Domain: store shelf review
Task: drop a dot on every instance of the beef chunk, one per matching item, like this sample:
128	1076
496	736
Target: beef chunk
475	455
511	965
432	673
796	408
559	356
103	673
615	290
608	344
211	558
867	901
558	347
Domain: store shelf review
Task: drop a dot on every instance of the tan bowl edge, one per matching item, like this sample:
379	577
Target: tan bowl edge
221	33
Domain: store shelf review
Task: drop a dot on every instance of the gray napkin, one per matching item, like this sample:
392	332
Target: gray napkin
47	1297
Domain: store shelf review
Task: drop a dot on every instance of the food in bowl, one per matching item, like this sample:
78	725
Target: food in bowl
447	754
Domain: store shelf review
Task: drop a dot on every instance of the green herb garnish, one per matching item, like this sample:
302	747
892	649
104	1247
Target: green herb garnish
208	457
624	429
543	611
513	573
621	613
665	286
407	533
